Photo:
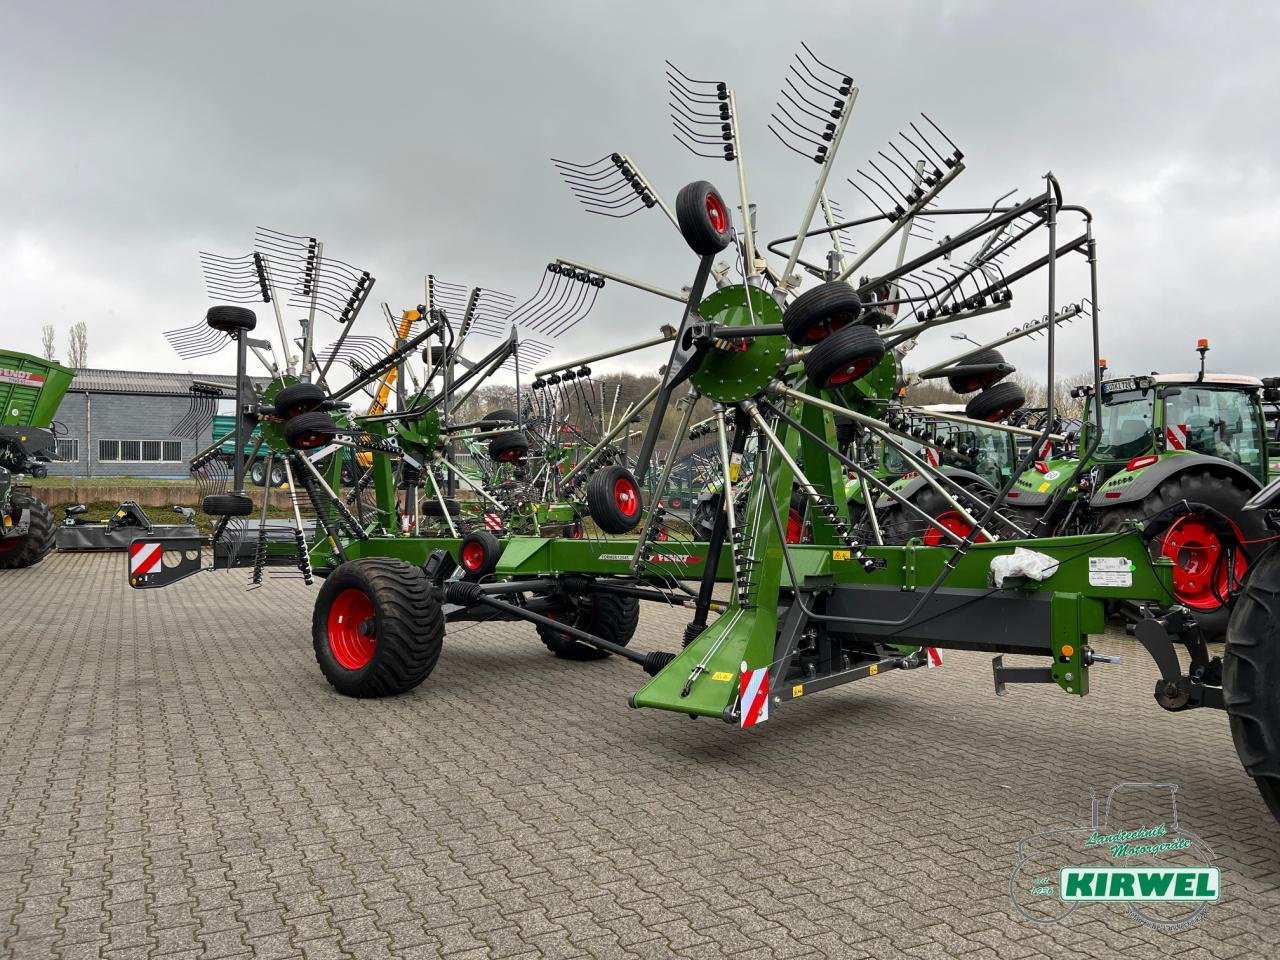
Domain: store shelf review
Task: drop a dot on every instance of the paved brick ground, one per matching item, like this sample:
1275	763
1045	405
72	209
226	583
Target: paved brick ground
176	779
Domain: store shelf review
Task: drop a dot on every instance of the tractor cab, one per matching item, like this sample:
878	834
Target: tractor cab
990	453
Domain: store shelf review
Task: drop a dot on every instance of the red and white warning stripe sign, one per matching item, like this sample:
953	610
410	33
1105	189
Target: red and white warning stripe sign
144	557
493	521
753	691
933	657
1176	434
932	457
1046	450
20	377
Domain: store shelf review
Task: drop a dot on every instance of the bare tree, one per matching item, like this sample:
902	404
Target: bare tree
78	345
47	341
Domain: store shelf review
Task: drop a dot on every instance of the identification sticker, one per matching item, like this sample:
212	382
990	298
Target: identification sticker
1110	572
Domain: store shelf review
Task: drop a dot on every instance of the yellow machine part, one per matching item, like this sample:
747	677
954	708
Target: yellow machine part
379	404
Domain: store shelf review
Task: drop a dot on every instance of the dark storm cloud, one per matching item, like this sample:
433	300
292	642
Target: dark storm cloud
414	137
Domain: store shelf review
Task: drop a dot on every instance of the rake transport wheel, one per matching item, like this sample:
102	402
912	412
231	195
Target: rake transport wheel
231	319
310	430
704	219
847	355
478	553
900	524
1251	677
227	505
298	398
968	383
509	447
1206	565
376	629
613	499
605	615
995	403
819	312
501	416
34	545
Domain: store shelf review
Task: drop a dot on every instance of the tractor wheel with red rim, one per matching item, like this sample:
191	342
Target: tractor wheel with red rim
703	217
298	398
1251	677
969	382
604	615
509	447
817	313
35	544
377	629
478	554
847	355
613	499
995	403
307	431
898	523
1209	566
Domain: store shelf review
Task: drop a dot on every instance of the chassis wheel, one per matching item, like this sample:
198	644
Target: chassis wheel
817	313
703	218
376	629
310	430
1251	677
613	499
847	355
510	446
478	553
34	545
607	616
967	383
995	403
298	398
1202	579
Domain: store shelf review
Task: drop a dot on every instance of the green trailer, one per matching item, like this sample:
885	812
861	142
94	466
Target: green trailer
31	389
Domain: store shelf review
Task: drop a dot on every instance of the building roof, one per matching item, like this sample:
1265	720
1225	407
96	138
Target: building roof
146	383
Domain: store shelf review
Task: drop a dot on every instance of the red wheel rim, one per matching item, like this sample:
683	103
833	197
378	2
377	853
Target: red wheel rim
795	526
575	532
626	497
1000	414
1199	578
351	622
953	521
717	214
309	441
853	372
473	556
8	543
510	456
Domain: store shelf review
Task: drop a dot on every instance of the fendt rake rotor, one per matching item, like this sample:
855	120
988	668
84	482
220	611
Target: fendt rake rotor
844	532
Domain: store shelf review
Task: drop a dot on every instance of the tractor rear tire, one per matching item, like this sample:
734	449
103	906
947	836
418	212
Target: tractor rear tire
34	545
819	312
1225	496
608	616
1251	677
377	630
898	524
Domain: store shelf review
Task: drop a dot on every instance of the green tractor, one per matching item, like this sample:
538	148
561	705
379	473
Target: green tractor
30	391
1149	443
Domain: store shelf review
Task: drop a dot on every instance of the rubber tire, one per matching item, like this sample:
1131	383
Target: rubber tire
846	347
307	425
831	306
432	508
1251	677
1220	493
227	505
601	505
433	354
492	550
509	416
695	225
409	627
898	524
608	616
298	398
968	384
278	475
231	319
995	402
513	441
34	545
257	473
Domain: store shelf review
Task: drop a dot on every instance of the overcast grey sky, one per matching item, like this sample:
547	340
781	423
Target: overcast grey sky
414	137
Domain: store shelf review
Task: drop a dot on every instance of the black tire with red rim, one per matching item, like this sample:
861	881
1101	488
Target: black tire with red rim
845	356
898	523
34	545
603	615
995	403
377	629
969	382
298	398
1208	568
704	219
310	430
478	554
613	499
817	313
509	447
